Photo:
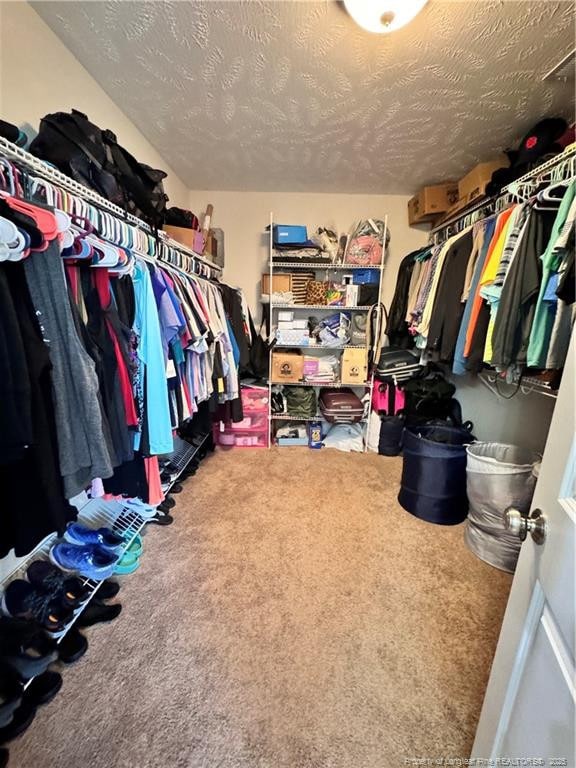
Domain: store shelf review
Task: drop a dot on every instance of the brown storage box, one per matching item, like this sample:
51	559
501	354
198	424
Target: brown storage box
287	367
473	185
188	237
354	368
430	202
280	283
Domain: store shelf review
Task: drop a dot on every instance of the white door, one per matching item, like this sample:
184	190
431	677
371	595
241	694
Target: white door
529	708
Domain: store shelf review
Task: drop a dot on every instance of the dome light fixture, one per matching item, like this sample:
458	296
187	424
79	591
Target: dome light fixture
382	16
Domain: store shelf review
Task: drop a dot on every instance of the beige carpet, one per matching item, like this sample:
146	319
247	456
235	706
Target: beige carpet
294	616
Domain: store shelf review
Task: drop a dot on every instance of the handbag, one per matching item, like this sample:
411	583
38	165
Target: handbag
259	365
316	292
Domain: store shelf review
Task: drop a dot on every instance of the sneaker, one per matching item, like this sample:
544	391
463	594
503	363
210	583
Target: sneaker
4	757
167	505
108	590
97	612
145	511
103	537
43	688
26	647
11	692
72	646
20	722
176	488
92	562
135	548
48	578
128	564
22	600
161	519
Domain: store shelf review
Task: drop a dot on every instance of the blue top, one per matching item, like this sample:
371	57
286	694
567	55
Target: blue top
151	355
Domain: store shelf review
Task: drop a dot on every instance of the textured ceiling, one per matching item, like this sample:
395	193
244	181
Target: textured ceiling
293	96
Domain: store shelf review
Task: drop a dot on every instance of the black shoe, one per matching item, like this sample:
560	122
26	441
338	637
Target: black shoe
4	755
23	716
167	504
97	612
73	645
43	688
26	647
161	518
108	590
177	488
50	579
11	692
25	601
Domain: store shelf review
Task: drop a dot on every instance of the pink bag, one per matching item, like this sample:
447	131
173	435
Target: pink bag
364	251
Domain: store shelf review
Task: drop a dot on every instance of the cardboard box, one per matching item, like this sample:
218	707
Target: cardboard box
287	367
191	238
473	185
280	283
430	202
354	366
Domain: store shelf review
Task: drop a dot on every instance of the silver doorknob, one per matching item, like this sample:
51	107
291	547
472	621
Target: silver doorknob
521	524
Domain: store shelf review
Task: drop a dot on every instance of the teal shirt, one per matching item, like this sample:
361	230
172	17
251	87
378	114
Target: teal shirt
546	310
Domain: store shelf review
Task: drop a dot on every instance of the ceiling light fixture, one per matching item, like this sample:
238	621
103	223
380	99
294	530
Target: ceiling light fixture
383	15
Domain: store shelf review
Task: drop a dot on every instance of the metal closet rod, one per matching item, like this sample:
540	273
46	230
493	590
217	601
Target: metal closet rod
566	158
56	177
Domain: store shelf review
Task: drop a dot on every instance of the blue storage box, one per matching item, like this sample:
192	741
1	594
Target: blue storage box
289	234
292	441
365	276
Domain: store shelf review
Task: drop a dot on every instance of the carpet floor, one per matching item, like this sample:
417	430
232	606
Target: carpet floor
293	616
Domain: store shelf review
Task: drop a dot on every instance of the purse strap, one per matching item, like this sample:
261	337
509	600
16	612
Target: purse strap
376	331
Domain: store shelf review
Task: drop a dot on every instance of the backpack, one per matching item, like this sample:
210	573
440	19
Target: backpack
428	398
94	158
301	401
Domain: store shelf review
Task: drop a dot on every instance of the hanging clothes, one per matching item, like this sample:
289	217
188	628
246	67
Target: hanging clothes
482	237
31	486
396	329
79	419
546	302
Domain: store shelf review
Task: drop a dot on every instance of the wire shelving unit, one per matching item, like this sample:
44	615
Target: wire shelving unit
275	262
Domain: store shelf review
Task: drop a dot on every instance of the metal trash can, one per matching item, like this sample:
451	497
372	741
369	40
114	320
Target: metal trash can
433	485
498	476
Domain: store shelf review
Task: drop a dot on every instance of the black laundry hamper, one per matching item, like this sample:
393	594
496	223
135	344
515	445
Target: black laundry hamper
433	485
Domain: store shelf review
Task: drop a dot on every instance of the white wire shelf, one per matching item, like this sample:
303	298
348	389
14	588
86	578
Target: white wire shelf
321	347
94	513
53	175
329	267
318	417
330	385
527	385
182	455
326	307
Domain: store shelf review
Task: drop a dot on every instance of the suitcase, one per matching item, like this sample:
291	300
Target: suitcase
340	405
397	365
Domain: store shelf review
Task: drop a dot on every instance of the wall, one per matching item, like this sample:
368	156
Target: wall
38	75
522	420
244	216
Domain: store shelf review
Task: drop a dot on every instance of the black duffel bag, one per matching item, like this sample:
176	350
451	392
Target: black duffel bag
93	157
